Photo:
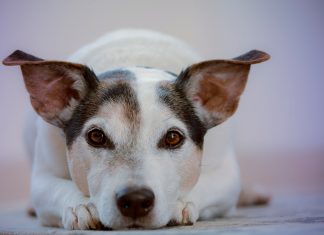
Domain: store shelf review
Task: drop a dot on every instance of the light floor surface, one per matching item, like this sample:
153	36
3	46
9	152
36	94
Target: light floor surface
294	213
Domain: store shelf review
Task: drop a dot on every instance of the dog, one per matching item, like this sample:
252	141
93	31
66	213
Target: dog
120	144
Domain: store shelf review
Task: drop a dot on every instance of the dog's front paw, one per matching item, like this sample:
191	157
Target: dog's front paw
81	217
185	213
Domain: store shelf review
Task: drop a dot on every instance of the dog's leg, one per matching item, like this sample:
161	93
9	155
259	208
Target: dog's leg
56	198
58	202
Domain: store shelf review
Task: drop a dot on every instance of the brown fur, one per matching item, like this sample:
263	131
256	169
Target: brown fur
79	169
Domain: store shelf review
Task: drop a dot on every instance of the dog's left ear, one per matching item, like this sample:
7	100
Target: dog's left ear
215	87
55	87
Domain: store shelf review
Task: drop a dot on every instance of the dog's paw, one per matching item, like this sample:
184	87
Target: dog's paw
81	217
185	213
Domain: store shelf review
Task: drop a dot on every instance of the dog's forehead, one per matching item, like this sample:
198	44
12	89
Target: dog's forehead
138	74
117	74
151	75
142	94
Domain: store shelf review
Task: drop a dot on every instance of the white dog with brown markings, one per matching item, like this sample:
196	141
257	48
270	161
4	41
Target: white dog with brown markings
120	144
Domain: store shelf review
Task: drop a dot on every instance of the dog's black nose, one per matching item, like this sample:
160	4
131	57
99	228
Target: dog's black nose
135	202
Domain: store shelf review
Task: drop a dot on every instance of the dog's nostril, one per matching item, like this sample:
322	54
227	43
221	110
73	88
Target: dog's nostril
146	204
135	202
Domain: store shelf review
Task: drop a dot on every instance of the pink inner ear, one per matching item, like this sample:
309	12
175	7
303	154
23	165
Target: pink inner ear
211	94
50	97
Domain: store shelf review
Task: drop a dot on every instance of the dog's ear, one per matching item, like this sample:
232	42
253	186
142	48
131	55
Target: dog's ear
55	87
215	86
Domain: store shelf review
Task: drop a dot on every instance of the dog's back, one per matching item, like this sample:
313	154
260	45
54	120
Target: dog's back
128	48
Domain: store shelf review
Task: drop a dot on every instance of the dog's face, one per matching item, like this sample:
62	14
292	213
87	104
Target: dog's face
135	135
131	138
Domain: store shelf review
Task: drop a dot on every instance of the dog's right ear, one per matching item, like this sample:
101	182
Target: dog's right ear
214	87
55	87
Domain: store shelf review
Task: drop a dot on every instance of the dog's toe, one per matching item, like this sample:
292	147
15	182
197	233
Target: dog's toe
69	219
189	214
185	214
82	217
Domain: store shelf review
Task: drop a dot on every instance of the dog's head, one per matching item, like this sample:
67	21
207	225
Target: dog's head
134	136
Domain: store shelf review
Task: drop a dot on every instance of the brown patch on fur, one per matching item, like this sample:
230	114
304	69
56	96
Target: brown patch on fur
121	92
117	92
79	169
190	170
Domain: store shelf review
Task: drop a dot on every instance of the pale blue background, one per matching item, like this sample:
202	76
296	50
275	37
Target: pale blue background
282	109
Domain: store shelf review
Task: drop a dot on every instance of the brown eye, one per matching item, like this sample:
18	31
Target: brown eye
172	139
98	139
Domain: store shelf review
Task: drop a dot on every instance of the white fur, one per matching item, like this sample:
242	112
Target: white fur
57	199
126	48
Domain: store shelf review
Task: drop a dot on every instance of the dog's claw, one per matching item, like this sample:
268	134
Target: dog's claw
81	217
185	214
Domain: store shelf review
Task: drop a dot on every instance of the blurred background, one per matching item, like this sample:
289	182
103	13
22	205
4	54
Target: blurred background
279	124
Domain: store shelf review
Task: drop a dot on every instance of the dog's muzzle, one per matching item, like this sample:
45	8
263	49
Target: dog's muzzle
135	202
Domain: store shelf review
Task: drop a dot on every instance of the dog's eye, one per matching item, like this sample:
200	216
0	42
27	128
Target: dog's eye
172	139
98	139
